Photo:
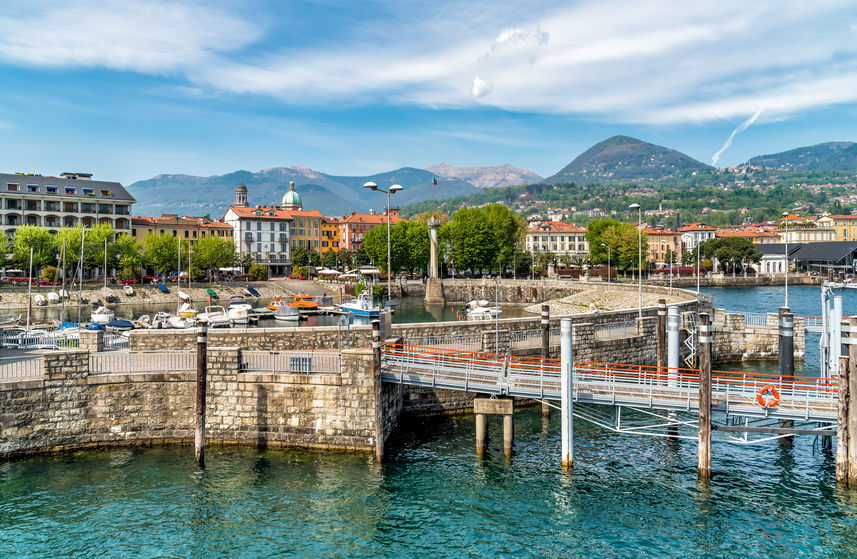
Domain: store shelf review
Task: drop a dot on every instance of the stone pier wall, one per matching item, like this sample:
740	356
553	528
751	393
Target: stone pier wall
735	340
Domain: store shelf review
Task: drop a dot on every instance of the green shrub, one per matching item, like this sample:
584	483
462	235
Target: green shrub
258	272
49	273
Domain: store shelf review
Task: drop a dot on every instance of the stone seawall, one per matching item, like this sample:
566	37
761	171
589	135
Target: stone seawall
735	340
70	408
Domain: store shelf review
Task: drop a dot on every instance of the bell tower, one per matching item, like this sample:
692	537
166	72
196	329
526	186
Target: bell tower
241	195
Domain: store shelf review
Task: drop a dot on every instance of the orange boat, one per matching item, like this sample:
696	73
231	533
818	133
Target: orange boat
304	301
275	304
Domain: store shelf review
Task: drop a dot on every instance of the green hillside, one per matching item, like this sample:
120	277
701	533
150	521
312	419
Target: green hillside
826	156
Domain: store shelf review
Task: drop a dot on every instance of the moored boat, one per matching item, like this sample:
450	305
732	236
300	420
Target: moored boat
276	304
185	311
215	316
287	313
39	300
120	324
53	297
238	302
304	302
479	310
102	315
253	291
181	322
129	291
361	306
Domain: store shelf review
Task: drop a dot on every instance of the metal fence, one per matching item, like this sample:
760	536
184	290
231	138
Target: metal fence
616	330
38	340
142	361
756	318
116	341
290	362
20	367
460	342
521	339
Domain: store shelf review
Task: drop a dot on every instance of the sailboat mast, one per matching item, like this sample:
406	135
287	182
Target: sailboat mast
179	277
62	283
80	272
104	268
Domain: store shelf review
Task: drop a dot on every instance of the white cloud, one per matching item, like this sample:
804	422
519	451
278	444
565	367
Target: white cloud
740	128
480	88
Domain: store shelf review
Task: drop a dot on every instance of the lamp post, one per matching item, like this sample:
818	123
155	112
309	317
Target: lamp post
640	255
786	239
608	261
394	188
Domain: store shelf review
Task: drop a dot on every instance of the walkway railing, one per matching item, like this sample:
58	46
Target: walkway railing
142	362
608	383
460	342
616	330
116	341
525	339
39	340
21	367
290	362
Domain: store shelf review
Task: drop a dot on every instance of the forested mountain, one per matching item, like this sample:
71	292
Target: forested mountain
826	156
487	177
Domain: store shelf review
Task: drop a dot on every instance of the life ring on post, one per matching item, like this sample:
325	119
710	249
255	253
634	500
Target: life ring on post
763	400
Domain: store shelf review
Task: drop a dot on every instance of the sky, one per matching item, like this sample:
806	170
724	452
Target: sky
128	90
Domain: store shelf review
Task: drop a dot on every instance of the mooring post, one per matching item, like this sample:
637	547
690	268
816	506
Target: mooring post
662	336
786	359
481	430
546	344
842	434
201	386
673	325
852	404
508	433
376	376
704	465
567	395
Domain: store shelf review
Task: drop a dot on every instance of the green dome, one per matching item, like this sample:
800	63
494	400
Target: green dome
292	198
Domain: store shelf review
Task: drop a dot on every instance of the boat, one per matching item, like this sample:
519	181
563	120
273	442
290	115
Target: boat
215	316
129	291
39	300
211	293
252	290
10	319
238	302
102	315
63	294
361	306
107	295
80	299
181	322
183	296
185	311
120	324
238	314
160	320
53	297
246	292
163	288
95	326
479	310
67	325
145	321
275	304
288	313
303	301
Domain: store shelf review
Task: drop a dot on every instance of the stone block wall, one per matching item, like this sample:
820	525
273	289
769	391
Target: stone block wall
735	340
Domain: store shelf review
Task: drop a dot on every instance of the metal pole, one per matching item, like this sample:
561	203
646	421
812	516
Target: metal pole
698	270
201	380
497	315
787	261
30	289
673	324
705	339
567	396
608	265
786	357
376	367
546	340
640	252
852	406
389	272
662	335
836	332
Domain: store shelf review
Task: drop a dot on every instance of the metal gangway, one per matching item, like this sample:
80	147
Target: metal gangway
616	384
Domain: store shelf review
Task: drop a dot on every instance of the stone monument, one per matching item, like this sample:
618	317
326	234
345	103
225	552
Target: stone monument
434	287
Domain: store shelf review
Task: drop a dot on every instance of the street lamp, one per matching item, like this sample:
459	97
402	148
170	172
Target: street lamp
608	261
640	254
394	188
786	239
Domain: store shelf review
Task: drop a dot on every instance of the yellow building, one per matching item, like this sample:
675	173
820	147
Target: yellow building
662	242
796	229
844	226
329	234
185	228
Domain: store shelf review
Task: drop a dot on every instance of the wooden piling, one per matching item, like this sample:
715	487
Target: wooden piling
376	369
481	431
201	387
705	339
546	342
842	434
662	336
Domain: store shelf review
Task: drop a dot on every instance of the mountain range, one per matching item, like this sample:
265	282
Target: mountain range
616	159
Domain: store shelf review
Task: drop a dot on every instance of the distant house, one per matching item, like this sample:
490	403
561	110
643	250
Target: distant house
694	234
557	237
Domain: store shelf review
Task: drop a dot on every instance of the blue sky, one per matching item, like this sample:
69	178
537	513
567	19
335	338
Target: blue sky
127	90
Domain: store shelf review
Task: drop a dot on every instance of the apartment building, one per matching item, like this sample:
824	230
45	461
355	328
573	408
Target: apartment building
353	228
184	227
556	237
65	201
662	243
261	231
694	234
329	234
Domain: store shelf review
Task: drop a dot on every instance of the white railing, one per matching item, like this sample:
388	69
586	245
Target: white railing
20	367
519	339
38	340
460	342
116	341
756	318
616	330
290	362
141	362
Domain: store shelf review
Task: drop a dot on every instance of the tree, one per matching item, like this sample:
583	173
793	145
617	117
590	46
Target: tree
419	246
37	238
247	260
623	240
128	249
93	253
345	259
595	237
314	258
328	259
5	249
360	257
731	252
258	272
212	252
300	257
471	241
161	252
508	231
375	246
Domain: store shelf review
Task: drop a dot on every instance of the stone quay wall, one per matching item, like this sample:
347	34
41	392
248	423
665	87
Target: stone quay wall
69	408
735	340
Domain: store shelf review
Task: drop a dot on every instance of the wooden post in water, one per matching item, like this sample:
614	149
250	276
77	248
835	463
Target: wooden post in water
481	429
567	394
662	336
201	381
704	464
852	404
376	368
842	434
546	342
786	359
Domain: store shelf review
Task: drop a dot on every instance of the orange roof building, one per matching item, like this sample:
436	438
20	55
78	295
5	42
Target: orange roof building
263	232
184	227
664	245
557	237
695	233
353	228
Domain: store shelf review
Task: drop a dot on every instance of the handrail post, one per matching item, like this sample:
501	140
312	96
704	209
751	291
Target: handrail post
567	396
201	386
705	339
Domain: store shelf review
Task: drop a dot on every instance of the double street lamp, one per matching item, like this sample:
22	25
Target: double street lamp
640	253
608	261
394	188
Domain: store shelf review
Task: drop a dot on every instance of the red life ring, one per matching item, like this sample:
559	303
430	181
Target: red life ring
764	402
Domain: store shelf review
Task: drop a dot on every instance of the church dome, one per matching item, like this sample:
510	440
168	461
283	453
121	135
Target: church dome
291	199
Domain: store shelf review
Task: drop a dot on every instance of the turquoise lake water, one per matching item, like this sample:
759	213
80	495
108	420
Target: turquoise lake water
629	496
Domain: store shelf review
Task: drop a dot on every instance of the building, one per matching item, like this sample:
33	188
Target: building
663	243
557	237
795	229
694	234
824	258
756	235
844	226
306	224
66	201
185	228
329	234
774	258
353	228
263	232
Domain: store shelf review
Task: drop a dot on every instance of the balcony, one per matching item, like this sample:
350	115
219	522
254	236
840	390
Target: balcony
34	206
284	238
123	210
87	209
248	237
69	207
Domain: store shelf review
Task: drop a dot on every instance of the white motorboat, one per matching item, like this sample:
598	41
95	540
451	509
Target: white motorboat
285	312
215	316
361	306
161	320
238	302
186	311
145	321
238	315
181	322
39	300
102	315
183	296
10	319
63	294
129	291
479	310
53	297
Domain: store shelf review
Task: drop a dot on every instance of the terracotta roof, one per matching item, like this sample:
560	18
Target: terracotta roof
377	219
745	233
304	213
176	221
266	212
842	216
696	227
556	227
659	231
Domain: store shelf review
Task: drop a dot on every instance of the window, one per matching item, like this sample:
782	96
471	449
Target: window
51	189
32	188
70	190
106	193
186	234
88	192
12	186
